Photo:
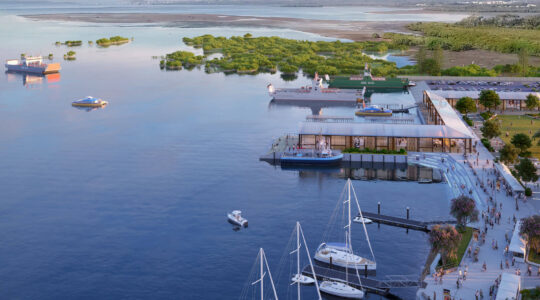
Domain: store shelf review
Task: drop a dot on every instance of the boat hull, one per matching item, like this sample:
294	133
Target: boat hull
103	103
45	69
372	114
311	160
341	290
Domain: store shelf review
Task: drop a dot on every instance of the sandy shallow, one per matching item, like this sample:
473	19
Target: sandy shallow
353	30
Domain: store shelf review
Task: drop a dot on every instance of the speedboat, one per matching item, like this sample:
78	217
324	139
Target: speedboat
90	102
374	110
339	254
412	83
324	157
341	290
302	279
359	219
236	218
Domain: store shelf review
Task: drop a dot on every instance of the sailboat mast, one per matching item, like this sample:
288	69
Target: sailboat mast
298	258
262	273
349	207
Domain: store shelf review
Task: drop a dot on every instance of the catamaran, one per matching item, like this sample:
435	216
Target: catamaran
342	254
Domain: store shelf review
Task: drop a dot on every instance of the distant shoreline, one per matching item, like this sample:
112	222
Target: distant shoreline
352	30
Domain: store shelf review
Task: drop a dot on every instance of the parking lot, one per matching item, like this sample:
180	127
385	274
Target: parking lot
498	86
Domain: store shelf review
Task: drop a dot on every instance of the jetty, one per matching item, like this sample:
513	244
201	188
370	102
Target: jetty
403	222
372	285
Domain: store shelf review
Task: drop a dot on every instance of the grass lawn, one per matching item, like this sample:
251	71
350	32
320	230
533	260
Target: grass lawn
520	124
462	248
534	257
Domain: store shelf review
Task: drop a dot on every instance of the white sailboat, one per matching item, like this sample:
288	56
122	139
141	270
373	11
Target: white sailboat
263	262
341	254
299	278
343	289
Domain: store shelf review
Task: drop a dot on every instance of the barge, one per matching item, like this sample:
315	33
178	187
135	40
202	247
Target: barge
32	64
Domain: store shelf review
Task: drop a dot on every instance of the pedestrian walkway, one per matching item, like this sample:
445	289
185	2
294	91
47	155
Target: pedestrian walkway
476	173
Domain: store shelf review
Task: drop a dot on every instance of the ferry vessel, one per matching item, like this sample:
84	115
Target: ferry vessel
311	157
32	64
90	102
315	92
368	81
375	111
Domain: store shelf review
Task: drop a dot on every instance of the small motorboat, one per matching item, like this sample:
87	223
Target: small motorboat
236	218
302	279
425	180
90	102
412	83
374	110
359	219
341	290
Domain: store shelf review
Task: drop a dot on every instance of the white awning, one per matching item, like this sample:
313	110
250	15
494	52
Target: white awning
383	130
517	244
509	287
509	178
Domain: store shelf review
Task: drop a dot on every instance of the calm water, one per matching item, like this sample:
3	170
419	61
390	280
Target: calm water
129	201
355	13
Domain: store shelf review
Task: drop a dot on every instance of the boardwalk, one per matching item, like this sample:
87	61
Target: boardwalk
381	287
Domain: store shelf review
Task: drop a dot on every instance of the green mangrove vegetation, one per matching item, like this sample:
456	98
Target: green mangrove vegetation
69	43
70	55
247	54
461	37
113	40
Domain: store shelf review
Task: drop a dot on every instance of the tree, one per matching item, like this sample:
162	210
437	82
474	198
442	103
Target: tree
530	228
532	102
523	61
438	58
521	141
509	153
490	129
464	210
445	239
466	105
421	60
527	170
489	99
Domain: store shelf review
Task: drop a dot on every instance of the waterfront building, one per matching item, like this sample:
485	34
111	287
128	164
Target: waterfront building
513	101
443	131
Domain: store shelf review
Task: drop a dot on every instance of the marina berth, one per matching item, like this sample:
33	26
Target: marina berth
32	64
315	92
90	102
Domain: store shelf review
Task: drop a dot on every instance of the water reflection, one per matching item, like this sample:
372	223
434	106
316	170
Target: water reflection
370	171
31	79
315	106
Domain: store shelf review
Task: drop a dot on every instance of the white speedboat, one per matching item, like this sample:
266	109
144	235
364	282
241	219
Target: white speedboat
302	279
341	290
339	254
235	217
359	219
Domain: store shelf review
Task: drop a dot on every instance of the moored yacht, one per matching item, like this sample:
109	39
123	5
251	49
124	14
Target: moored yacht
341	289
340	254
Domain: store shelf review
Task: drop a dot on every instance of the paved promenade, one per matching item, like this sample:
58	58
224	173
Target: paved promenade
462	179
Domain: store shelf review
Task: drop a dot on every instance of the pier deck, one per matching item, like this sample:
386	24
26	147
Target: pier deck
401	222
376	286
